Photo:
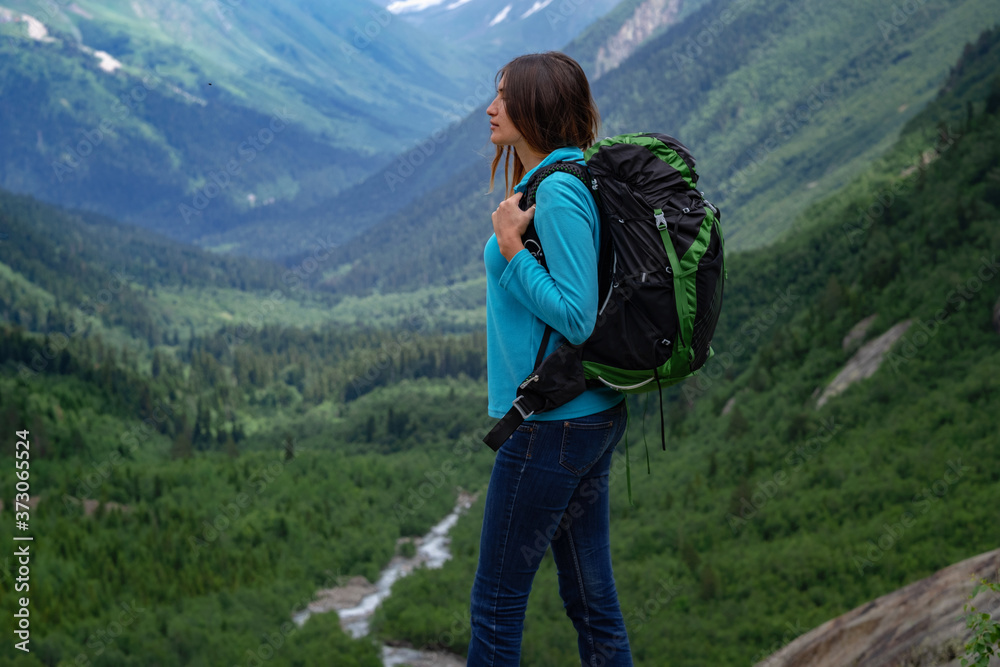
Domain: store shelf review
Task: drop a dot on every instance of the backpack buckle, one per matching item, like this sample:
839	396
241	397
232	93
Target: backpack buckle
661	221
520	409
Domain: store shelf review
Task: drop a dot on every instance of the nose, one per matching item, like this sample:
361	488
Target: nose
491	110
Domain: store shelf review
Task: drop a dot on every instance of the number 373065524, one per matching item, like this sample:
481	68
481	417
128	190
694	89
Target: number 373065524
22	453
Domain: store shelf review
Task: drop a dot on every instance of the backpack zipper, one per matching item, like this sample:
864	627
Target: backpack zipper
611	288
625	387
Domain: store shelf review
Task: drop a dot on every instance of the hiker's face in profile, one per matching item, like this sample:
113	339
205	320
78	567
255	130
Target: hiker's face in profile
502	130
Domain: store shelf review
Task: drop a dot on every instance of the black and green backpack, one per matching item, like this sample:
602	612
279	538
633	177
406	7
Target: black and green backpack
661	272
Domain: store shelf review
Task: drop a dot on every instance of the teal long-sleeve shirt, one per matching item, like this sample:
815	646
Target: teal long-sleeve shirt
521	296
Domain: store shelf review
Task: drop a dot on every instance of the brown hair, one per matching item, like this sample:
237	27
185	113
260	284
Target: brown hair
547	98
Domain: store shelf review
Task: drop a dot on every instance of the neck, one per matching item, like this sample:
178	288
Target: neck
529	158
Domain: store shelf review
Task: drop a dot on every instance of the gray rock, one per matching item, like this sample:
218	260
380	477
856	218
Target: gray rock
857	332
864	363
919	625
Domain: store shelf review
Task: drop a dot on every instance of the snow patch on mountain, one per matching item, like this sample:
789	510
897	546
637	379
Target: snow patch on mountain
404	6
537	7
36	29
502	15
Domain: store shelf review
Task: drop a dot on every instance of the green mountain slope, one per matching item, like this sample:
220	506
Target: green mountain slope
157	159
282	105
786	102
423	167
363	87
333	442
768	516
745	93
449	154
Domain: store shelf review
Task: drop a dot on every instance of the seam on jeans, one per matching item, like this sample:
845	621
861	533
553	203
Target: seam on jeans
509	518
529	429
583	595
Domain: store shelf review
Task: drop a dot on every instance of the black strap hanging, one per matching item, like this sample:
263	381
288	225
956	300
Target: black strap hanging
659	392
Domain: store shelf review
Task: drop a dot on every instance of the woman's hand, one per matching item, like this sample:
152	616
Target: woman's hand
509	223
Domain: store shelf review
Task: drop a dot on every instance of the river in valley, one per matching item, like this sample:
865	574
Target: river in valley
356	601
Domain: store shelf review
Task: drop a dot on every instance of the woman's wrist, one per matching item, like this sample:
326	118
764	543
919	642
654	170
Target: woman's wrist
509	246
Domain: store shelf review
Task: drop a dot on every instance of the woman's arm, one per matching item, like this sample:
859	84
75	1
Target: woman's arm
565	296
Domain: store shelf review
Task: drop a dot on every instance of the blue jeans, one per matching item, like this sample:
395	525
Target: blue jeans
550	486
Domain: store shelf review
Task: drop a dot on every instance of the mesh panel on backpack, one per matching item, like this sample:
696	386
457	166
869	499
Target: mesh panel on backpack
709	288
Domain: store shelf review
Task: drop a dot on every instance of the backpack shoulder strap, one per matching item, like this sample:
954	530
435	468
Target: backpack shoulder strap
572	168
530	236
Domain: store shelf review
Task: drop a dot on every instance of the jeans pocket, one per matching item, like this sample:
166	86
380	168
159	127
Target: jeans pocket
583	444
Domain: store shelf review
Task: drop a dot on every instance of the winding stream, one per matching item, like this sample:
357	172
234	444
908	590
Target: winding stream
356	602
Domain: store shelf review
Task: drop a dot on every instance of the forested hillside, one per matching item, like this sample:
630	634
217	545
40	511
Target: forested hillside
786	103
213	438
768	516
144	441
74	134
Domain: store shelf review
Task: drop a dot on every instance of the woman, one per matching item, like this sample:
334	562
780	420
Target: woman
550	479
